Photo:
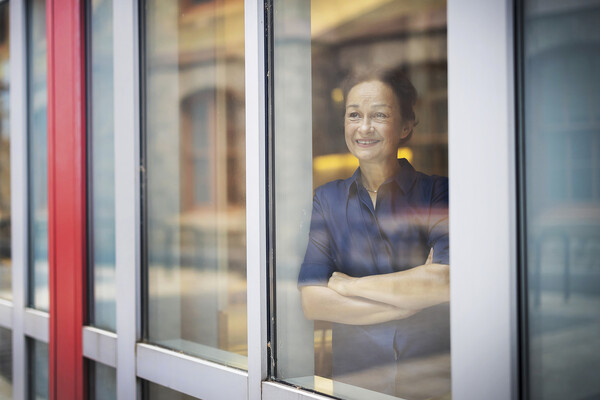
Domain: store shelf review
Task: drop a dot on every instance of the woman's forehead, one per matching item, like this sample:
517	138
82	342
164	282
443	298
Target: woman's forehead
371	93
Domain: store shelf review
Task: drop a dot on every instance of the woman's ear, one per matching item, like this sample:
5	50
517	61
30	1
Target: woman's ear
407	129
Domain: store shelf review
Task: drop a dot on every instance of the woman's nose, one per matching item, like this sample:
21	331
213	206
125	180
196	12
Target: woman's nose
365	126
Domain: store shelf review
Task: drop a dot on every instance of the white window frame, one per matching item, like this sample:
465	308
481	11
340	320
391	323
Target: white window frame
15	315
483	229
481	150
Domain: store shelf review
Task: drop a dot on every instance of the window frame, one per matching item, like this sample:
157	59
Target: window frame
485	353
24	322
481	353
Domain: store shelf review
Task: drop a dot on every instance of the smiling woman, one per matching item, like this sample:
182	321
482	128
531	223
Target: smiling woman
366	267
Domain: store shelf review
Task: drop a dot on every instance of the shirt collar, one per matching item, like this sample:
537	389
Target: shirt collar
405	178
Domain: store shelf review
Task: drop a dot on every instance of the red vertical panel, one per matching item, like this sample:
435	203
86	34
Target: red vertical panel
66	196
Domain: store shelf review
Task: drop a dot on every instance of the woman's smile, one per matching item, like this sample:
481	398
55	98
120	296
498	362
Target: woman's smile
366	142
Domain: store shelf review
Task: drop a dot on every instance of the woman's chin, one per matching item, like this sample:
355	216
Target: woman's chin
370	158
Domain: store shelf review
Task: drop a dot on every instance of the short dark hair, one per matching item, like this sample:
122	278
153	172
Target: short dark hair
401	87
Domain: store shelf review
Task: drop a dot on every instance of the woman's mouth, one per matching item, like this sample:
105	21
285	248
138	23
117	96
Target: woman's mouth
366	142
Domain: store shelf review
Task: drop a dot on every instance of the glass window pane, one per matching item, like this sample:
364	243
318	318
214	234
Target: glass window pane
195	178
102	381
5	238
361	144
158	392
37	368
5	364
101	194
561	195
38	159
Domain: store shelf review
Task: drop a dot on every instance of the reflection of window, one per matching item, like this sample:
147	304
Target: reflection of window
198	151
204	150
195	208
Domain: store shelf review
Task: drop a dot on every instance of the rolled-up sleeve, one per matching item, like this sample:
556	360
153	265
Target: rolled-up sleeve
439	237
318	265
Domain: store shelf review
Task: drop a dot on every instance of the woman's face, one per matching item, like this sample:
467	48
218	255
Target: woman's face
373	123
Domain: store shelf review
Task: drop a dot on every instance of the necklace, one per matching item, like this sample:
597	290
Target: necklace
371	191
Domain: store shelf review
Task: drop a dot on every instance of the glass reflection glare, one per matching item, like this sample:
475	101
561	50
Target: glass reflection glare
196	254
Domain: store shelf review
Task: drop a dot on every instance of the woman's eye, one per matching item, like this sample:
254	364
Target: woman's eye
380	115
353	115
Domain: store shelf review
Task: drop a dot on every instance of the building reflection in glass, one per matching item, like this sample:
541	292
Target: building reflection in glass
195	177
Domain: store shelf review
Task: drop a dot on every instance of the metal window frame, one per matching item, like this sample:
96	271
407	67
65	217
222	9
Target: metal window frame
23	321
127	193
36	324
18	171
256	207
484	353
100	345
190	375
483	285
139	360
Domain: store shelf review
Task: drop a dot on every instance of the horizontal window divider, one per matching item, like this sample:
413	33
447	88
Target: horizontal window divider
279	391
6	311
100	345
36	324
190	375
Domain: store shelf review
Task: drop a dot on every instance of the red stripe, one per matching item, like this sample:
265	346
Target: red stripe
66	196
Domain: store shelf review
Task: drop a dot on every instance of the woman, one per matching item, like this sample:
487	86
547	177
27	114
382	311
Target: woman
365	267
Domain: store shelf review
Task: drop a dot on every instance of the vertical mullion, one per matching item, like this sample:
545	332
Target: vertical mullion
66	196
483	244
127	191
255	195
18	170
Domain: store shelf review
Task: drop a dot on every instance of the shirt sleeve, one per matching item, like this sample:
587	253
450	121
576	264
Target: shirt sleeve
318	265
439	238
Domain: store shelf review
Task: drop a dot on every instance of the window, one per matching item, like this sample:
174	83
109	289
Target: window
329	58
38	157
560	172
37	367
221	119
101	182
102	382
194	180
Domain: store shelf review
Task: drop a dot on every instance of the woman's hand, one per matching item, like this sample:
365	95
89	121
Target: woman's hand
340	282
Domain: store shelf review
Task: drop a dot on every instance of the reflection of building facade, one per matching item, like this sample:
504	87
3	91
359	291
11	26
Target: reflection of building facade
161	260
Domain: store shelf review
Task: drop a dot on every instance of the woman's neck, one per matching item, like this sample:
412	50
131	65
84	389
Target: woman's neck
373	175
